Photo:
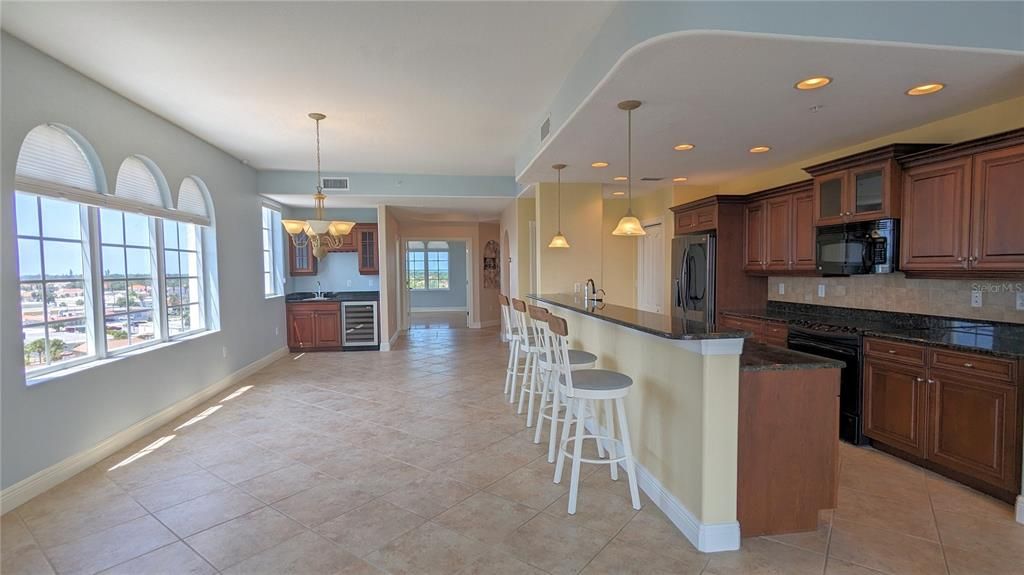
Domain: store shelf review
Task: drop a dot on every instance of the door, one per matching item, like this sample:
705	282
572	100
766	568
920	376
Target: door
753	245
328	328
974	427
301	332
651	269
868	191
778	233
997	241
803	232
936	217
830	199
895	405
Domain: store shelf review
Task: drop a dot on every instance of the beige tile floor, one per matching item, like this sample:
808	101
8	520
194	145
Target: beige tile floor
410	462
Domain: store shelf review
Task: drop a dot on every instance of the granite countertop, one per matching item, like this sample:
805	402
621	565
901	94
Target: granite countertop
974	336
334	296
763	357
657	324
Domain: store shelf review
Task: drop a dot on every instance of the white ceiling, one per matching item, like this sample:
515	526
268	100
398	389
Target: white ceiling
417	87
726	93
438	209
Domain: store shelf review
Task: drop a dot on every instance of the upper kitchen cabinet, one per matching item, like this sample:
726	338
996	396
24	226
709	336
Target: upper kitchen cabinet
300	260
754	237
700	216
962	210
864	186
366	247
779	230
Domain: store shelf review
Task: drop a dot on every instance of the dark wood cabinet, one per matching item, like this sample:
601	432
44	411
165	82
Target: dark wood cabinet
777	236
366	247
342	244
957	413
895	404
830	199
313	326
698	219
962	209
776	333
802	235
301	261
754	237
935	234
761	330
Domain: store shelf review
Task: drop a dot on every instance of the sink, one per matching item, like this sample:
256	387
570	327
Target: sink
321	298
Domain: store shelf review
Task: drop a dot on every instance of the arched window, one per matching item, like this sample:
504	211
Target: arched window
140	180
193	198
58	160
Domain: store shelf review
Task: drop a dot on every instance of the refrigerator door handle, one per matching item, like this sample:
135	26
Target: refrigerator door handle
679	294
686	279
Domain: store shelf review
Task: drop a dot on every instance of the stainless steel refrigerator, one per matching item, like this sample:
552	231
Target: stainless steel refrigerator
693	277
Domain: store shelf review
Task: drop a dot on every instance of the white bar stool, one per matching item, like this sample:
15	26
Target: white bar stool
527	347
582	389
511	334
549	394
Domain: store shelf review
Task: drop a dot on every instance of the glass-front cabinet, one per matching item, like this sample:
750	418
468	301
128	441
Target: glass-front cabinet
868	191
830	192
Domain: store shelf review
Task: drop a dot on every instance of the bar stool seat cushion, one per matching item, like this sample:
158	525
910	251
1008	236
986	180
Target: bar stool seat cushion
599	380
579	357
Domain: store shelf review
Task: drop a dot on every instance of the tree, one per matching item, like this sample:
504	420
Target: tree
57	347
38	347
117	333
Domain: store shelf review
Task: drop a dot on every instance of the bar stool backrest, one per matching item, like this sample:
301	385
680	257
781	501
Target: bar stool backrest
539	325
558	330
521	323
506	316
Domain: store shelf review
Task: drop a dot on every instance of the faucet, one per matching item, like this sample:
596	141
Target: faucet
590	291
319	293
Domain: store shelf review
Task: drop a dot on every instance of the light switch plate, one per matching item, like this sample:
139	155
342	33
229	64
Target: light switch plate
782	288
821	290
1020	301
976	298
348	283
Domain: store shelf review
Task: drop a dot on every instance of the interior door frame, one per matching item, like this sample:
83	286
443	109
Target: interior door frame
665	248
403	243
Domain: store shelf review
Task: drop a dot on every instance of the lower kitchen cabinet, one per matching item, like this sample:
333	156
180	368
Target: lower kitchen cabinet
956	413
762	330
313	326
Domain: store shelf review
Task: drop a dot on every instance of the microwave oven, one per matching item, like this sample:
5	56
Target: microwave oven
858	248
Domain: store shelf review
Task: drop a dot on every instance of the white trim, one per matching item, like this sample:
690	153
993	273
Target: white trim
31	486
489	323
386	345
706	537
732	346
1020	509
430	309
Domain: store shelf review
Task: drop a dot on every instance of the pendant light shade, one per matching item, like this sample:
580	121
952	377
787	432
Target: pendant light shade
629	225
559	240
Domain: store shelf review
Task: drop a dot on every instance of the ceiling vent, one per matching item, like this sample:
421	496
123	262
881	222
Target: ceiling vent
330	184
545	128
651	179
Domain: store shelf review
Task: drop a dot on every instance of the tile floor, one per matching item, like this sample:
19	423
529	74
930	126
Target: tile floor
410	462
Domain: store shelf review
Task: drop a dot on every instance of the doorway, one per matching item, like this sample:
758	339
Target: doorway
650	268
438	284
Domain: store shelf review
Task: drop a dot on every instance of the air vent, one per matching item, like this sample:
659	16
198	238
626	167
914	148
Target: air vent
651	179
545	128
334	184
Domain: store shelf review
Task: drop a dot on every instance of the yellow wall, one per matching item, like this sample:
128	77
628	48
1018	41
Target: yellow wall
526	213
390	274
618	257
581	224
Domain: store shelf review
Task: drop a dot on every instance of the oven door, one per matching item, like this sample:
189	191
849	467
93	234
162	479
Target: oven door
843	253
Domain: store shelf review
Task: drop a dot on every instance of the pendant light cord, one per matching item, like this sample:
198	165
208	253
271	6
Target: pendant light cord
559	202
629	159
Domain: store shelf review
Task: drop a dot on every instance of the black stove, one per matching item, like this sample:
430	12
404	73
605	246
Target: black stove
817	326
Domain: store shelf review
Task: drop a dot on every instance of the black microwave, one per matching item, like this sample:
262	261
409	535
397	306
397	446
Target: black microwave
858	248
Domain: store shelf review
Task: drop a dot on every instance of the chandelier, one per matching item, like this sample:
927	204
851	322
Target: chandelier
319	234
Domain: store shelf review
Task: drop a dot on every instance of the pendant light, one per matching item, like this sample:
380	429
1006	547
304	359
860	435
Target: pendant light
559	240
629	225
309	232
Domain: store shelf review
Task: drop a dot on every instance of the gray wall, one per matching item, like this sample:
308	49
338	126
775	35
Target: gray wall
337	271
46	423
456	295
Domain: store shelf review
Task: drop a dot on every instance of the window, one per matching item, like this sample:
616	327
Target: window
271	252
127	260
184	277
427	265
73	235
56	317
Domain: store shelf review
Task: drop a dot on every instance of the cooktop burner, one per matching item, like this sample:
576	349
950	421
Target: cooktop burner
826	327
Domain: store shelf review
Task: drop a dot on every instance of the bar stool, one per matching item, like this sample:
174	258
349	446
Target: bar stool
578	359
582	389
527	347
511	334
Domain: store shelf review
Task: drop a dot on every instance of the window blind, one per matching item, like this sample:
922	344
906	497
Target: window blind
191	199
50	155
136	182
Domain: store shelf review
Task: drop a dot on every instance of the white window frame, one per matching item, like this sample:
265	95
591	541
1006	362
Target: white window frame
201	281
426	251
156	283
270	237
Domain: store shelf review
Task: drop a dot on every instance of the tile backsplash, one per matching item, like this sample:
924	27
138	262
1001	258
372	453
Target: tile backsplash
896	292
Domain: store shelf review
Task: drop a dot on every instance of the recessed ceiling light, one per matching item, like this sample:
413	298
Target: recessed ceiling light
682	147
620	178
599	165
760	149
619	193
813	83
924	89
679	179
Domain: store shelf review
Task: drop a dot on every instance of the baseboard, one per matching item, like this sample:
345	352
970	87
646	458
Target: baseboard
490	323
1020	509
430	309
386	345
44	480
706	537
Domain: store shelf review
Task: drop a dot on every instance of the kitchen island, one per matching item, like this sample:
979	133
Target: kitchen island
691	420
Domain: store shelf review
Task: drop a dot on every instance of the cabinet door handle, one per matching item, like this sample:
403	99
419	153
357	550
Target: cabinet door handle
968	364
919	379
930	380
892	351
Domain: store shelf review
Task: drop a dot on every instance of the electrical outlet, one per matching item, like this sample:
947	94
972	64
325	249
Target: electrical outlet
224	351
348	283
821	290
1020	301
277	331
782	288
373	282
976	298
